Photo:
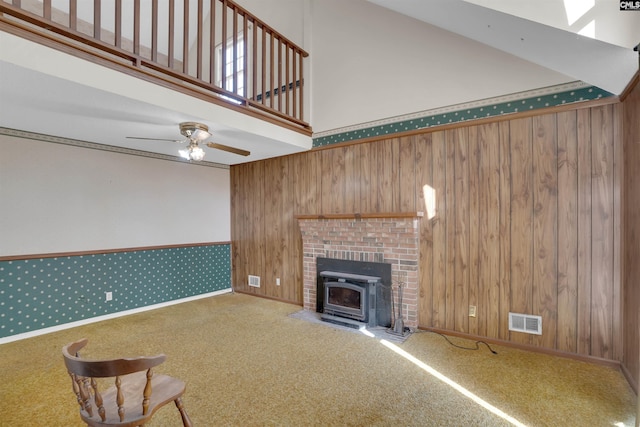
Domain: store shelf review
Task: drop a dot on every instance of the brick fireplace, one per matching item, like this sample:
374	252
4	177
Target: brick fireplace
392	238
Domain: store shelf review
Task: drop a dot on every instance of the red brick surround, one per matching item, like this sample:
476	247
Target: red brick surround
392	238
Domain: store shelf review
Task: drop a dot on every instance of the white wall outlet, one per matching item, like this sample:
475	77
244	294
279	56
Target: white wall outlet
108	296
472	311
277	281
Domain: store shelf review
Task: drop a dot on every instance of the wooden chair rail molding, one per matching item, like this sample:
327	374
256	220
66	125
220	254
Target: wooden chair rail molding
381	215
107	251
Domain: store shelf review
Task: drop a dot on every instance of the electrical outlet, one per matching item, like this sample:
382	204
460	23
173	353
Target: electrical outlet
472	311
277	281
108	296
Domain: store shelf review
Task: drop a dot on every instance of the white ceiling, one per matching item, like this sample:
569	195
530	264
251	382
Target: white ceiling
48	92
545	32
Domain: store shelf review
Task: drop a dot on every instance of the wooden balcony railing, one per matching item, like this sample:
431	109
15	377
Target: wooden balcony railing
211	48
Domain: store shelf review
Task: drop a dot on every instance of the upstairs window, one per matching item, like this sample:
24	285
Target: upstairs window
230	76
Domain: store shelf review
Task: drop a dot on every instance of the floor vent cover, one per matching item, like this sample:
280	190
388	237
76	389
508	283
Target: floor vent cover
254	281
526	323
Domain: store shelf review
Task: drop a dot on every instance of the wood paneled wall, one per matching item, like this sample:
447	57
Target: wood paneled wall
631	209
528	220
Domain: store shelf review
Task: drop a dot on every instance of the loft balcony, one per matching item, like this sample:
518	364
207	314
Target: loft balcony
150	65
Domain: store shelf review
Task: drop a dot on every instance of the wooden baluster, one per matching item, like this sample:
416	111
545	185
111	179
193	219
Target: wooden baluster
97	19
212	43
147	393
199	43
234	59
73	14
301	79
97	397
288	80
245	60
154	30
264	64
271	69
185	39
76	389
279	75
118	23
171	36
223	50
254	79
85	394
295	81
46	10
120	398
136	27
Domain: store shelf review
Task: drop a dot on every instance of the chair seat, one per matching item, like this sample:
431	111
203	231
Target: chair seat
165	390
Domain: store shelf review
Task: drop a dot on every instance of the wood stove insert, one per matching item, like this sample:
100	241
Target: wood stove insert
347	296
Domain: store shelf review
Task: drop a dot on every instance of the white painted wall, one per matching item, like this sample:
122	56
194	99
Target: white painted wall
369	63
285	16
59	198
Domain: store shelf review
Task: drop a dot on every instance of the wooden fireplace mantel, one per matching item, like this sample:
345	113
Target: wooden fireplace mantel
363	215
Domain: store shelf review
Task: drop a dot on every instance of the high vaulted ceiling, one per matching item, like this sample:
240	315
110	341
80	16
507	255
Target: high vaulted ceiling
46	91
590	40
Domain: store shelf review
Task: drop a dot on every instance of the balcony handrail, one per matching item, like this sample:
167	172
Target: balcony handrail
233	59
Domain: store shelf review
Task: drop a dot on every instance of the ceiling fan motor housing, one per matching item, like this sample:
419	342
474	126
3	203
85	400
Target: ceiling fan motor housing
194	131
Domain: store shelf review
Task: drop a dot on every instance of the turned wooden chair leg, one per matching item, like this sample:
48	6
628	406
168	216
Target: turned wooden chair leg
183	413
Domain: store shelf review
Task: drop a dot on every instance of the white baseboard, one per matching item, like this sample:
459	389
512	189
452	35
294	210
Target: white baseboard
70	325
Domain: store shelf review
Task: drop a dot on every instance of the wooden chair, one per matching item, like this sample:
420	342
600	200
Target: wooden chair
136	394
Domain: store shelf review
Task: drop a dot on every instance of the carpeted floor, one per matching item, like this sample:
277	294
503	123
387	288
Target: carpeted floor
249	361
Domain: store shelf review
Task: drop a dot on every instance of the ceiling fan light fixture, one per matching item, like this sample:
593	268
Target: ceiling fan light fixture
192	152
196	133
197	153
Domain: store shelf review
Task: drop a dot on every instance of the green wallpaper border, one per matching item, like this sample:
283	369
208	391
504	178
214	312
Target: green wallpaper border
514	105
40	293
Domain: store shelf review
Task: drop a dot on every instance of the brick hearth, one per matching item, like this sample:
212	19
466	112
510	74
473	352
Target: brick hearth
392	238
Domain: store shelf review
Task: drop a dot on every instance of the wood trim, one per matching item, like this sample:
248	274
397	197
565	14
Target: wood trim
633	382
591	359
148	75
107	251
382	215
238	291
632	85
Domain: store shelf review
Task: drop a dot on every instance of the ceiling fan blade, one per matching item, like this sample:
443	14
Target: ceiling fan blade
229	149
154	139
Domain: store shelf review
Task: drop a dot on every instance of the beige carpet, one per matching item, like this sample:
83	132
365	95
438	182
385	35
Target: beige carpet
248	362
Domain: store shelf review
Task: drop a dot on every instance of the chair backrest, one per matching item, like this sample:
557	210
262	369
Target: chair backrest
105	368
90	397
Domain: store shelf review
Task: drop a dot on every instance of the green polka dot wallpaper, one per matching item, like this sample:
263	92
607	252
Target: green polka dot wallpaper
459	113
46	292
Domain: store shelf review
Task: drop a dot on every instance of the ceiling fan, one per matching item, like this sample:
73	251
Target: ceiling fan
195	134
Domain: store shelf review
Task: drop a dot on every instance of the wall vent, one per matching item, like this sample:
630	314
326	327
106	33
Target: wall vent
526	323
254	281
